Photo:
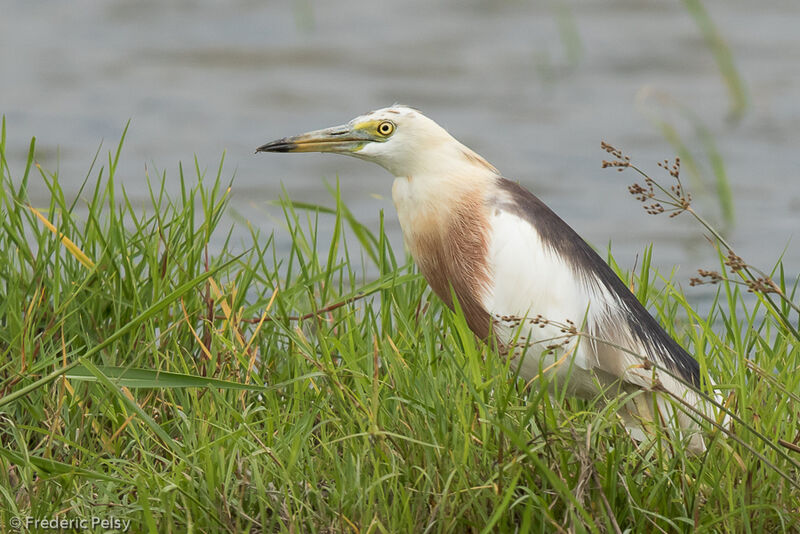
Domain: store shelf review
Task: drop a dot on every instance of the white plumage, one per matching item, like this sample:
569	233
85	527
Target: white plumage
516	268
567	299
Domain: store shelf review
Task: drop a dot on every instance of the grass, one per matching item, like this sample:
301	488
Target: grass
723	57
146	378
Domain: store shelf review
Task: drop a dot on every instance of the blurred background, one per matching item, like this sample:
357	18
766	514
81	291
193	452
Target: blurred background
533	86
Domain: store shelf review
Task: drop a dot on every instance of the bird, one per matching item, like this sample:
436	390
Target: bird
520	273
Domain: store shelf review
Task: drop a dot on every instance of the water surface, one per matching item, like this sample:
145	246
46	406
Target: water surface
532	86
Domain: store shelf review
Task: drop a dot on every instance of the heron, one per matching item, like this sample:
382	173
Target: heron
519	272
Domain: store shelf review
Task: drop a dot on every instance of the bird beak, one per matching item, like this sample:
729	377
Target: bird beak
343	139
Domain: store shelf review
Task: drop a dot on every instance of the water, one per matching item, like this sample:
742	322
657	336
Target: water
532	86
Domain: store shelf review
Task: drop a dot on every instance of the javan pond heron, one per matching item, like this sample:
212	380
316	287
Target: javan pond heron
517	270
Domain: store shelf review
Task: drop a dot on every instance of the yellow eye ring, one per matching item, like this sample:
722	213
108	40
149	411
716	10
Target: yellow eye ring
386	128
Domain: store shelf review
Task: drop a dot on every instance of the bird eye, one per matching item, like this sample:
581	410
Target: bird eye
386	128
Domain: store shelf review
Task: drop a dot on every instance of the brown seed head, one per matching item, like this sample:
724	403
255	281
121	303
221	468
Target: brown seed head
735	262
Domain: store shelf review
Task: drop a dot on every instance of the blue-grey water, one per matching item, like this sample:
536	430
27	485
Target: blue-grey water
532	86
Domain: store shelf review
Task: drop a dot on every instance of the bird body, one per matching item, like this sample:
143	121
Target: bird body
518	271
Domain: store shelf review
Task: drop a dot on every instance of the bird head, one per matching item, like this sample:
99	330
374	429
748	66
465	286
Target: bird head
399	138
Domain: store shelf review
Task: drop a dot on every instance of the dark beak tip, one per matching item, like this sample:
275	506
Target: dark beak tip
275	146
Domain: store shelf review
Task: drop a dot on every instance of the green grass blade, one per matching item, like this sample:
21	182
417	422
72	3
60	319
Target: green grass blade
150	378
